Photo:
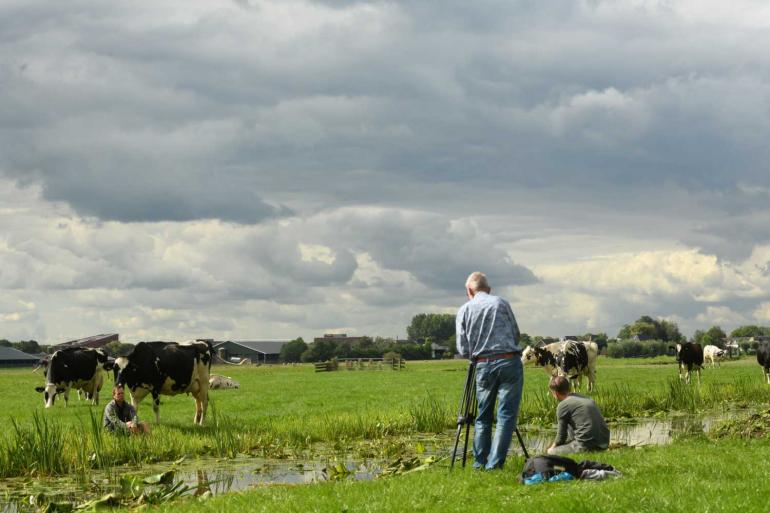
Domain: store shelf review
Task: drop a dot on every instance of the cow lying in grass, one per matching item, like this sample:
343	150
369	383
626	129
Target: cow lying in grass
216	382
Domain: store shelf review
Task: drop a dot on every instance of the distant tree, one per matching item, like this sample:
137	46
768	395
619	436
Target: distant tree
319	351
670	332
525	340
5	343
714	336
28	346
117	348
748	331
292	351
651	329
439	327
599	338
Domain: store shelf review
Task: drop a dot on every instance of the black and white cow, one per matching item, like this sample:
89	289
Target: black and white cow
542	356
555	360
713	354
578	359
763	359
74	367
689	356
168	368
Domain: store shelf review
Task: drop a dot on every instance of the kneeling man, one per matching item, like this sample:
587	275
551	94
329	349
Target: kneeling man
120	417
580	425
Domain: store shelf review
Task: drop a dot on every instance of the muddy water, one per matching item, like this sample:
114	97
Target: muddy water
223	476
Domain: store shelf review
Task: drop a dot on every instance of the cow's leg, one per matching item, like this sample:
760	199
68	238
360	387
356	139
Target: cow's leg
591	379
66	396
136	397
201	405
156	406
198	411
697	370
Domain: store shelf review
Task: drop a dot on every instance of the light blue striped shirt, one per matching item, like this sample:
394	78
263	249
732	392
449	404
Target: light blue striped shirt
486	326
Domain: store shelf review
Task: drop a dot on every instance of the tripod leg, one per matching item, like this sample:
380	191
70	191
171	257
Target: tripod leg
521	442
470	417
462	412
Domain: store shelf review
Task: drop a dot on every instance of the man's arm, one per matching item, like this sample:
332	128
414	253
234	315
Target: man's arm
562	422
461	336
514	325
111	419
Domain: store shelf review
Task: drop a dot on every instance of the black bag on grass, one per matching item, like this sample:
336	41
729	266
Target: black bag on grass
549	466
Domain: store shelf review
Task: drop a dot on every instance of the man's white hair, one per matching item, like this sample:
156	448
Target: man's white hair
477	281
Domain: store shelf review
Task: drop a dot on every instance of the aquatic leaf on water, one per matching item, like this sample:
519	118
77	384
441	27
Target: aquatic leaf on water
419	448
166	477
407	465
57	507
109	500
336	471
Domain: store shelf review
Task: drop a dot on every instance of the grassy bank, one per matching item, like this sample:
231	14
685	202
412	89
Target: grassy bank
283	411
690	475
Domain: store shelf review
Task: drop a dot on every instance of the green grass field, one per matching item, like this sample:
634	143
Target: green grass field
283	410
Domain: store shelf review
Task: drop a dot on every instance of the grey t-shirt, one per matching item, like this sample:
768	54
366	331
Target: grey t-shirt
581	414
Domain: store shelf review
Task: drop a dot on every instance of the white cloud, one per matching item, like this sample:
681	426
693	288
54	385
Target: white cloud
266	167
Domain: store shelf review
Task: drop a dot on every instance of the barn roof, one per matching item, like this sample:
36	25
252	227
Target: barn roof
11	353
92	341
260	346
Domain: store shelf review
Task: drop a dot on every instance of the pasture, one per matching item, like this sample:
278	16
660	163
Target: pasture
292	412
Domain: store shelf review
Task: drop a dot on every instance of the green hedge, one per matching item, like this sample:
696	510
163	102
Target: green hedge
633	348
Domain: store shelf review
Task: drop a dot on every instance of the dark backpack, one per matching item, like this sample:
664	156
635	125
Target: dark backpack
549	466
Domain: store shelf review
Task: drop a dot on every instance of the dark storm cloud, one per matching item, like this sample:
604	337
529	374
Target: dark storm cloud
217	112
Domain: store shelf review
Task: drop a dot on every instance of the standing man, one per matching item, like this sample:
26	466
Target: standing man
487	333
120	417
578	418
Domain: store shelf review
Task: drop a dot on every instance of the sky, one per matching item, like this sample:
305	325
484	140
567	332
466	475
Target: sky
269	169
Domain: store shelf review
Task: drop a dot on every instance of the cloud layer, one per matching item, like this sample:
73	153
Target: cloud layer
268	169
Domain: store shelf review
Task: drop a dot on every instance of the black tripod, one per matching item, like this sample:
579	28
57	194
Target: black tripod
466	416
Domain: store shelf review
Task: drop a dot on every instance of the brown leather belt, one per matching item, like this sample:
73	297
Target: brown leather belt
496	357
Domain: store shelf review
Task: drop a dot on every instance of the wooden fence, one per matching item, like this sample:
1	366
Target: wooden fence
360	364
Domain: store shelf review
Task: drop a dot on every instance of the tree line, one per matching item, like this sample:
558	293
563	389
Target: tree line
644	337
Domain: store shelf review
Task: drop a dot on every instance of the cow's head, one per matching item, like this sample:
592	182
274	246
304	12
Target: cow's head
528	356
123	370
49	392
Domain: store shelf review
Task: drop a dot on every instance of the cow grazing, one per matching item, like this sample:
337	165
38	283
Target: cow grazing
221	382
168	368
689	356
713	354
542	356
763	359
578	359
74	367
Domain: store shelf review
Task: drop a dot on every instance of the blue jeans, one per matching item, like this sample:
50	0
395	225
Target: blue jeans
496	379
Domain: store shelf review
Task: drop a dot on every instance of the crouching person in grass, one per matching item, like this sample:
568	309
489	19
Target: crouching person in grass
580	425
120	417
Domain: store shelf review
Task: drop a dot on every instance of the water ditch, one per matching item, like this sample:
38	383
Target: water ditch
210	476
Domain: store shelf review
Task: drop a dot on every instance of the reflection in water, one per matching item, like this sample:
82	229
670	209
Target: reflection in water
214	477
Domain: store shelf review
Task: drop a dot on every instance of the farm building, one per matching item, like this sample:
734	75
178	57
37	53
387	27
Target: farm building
258	351
338	337
12	357
94	341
